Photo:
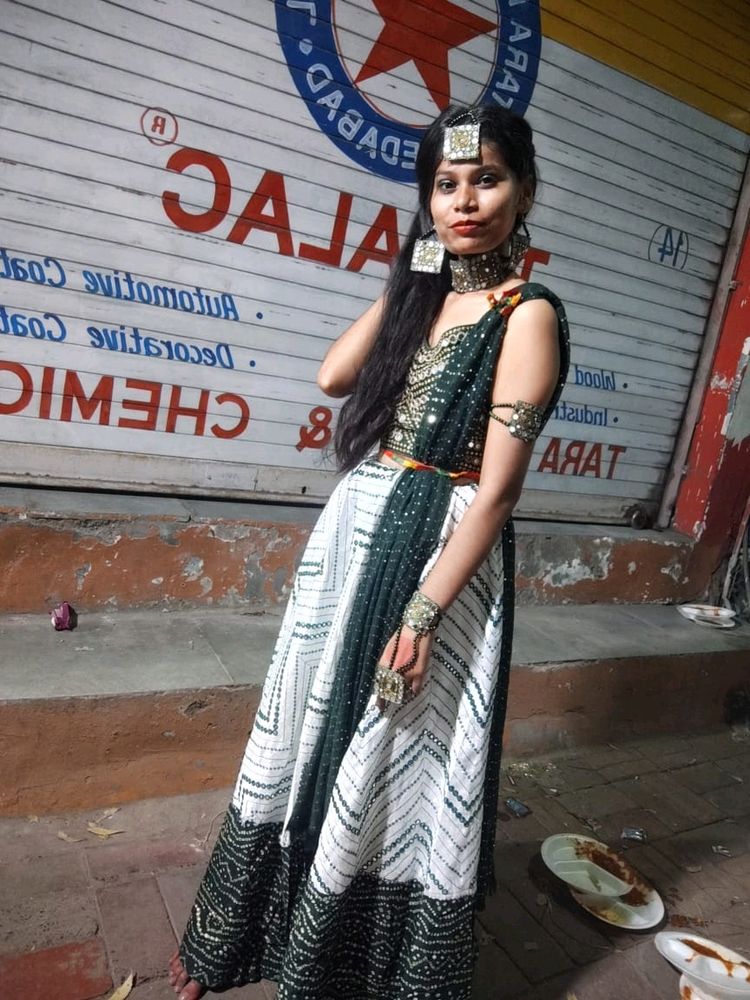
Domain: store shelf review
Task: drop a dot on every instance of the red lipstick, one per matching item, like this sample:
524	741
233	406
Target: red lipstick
466	227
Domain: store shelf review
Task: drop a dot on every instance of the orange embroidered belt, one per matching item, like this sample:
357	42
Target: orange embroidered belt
412	463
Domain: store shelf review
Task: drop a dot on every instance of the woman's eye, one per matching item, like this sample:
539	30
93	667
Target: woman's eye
445	185
487	179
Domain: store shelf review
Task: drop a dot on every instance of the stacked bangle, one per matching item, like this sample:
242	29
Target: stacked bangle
421	614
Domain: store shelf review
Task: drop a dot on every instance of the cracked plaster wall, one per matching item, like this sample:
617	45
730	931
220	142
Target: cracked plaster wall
131	562
141	563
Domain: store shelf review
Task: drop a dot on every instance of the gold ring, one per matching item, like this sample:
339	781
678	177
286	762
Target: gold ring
390	685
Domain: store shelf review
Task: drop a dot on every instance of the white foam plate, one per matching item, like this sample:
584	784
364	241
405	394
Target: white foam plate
560	855
714	622
691	991
612	909
720	981
618	913
712	612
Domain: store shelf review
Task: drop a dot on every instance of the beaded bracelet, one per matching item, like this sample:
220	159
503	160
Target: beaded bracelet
421	614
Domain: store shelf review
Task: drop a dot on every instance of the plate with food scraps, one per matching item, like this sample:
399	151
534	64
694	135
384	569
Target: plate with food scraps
689	991
564	855
705	613
639	908
722	973
715	622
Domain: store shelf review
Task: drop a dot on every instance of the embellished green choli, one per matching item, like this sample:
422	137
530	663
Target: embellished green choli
439	375
413	407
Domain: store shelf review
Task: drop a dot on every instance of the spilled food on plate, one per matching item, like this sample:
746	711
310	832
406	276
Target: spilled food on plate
603	882
610	888
709	970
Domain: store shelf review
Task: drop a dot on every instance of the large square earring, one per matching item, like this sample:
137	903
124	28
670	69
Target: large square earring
428	254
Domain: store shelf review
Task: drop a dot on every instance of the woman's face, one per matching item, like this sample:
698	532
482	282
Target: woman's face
475	203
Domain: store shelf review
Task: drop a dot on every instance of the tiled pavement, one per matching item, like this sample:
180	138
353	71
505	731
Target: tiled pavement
77	915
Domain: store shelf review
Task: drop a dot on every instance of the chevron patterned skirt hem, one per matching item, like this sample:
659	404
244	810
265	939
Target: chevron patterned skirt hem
238	928
257	916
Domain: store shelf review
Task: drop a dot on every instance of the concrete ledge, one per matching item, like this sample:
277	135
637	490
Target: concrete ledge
108	550
118	551
560	706
134	652
75	753
141	704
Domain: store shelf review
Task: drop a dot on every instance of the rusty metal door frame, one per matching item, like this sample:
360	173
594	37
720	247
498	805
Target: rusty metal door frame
725	285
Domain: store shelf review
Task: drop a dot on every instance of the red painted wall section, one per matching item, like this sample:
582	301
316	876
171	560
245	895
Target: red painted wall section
713	493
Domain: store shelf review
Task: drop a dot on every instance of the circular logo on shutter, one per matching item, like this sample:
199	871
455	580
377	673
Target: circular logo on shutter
374	73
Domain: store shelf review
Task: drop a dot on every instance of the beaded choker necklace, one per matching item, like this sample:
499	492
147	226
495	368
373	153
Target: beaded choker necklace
482	270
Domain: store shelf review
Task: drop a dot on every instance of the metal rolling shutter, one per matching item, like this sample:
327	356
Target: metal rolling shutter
183	236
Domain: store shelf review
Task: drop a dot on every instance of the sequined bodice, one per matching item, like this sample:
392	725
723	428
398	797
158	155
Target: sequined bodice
442	415
426	368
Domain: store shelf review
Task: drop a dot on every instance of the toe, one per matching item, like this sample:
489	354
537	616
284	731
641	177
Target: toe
193	991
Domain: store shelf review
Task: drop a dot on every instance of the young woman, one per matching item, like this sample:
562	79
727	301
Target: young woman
358	844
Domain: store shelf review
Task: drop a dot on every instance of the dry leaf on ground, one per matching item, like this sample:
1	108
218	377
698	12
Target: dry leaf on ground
32	818
101	831
107	813
124	990
62	835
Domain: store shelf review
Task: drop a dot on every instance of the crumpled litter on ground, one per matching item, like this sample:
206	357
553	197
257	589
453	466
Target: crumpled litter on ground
634	833
63	617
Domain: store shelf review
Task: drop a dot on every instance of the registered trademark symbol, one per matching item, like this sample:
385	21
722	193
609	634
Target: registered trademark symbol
159	126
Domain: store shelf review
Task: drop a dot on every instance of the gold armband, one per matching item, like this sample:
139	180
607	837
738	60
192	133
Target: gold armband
525	420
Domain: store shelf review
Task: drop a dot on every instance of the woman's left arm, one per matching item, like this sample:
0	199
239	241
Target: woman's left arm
527	370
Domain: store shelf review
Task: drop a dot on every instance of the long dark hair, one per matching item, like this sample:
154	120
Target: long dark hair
413	299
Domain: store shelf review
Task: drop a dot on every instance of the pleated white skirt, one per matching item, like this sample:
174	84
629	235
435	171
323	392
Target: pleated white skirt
408	800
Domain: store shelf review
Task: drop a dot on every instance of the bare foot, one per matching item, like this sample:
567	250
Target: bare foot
181	982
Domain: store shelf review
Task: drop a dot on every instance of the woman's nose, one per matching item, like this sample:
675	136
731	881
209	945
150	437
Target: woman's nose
464	200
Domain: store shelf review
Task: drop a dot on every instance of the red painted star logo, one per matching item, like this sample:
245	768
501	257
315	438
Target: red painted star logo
413	32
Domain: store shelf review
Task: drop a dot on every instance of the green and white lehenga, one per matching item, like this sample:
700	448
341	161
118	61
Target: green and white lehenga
358	844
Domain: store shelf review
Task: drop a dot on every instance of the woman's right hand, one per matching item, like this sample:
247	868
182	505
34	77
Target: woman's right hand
414	675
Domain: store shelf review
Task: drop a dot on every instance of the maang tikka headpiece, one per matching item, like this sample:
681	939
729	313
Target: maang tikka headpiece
461	142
